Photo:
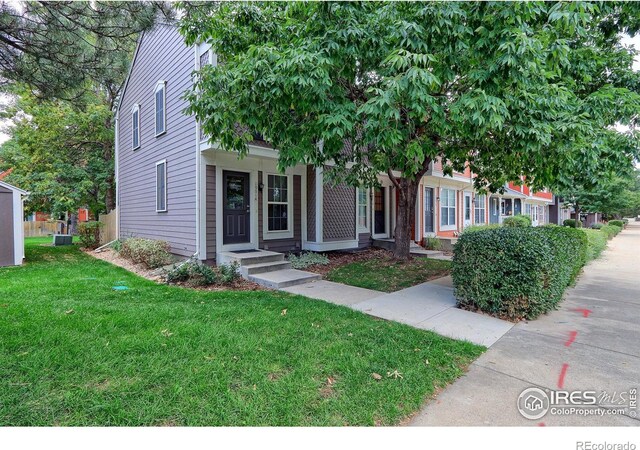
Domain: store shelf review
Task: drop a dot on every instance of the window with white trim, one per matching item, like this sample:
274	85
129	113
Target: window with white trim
161	107
480	208
161	186
278	203
363	209
447	208
135	127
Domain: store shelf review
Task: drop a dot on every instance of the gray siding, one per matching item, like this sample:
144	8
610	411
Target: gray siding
339	213
162	55
211	212
7	256
283	245
364	240
311	204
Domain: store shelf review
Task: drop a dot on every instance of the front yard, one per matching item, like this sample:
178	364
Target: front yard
74	351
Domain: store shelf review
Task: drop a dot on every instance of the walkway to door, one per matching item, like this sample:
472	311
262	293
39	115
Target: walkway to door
590	343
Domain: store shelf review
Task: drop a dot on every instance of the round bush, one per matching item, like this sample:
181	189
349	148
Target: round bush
572	223
517	221
616	223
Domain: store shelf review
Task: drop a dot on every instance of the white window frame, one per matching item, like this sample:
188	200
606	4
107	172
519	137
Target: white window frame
367	219
160	85
278	234
480	206
164	161
448	227
135	109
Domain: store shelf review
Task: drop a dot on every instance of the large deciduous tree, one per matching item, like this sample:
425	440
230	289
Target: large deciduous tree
58	154
372	88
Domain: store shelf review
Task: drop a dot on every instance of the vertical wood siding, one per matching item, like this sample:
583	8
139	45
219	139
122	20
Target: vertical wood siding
162	55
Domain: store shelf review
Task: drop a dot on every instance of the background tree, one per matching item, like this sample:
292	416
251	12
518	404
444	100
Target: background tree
58	154
389	87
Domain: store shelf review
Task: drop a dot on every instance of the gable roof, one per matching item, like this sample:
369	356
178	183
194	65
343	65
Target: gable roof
13	188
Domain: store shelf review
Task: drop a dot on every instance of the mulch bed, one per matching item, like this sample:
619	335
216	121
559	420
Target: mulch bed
156	275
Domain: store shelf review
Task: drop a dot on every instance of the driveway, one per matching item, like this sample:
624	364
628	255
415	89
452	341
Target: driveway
592	343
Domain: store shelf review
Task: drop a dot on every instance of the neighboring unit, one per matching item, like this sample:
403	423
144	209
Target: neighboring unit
11	228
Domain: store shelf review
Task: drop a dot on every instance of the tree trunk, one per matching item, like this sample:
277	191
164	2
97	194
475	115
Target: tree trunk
73	223
407	193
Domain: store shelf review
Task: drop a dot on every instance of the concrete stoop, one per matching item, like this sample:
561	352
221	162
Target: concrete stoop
268	269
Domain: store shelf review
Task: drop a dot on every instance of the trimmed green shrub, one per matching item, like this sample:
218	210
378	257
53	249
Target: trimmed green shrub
572	223
517	272
597	242
89	234
626	222
616	223
474	228
432	243
610	230
597	225
116	245
306	259
194	273
148	252
517	221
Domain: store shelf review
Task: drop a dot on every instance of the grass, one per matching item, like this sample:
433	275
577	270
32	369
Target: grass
73	351
389	275
597	243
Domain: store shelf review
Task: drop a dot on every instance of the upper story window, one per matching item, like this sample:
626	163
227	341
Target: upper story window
161	107
135	127
447	208
161	186
480	208
363	210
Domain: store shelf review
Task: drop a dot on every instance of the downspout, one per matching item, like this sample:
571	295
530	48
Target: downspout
198	158
117	151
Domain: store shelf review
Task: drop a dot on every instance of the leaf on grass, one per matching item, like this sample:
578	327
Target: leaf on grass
283	312
395	374
209	358
70	311
166	333
426	361
376	376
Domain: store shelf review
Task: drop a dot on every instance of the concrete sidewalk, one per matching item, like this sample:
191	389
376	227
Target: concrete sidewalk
429	306
591	343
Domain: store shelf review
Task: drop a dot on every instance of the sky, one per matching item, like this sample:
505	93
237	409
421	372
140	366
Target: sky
635	41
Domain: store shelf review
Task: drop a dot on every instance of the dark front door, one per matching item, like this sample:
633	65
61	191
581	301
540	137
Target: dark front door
428	210
235	204
517	207
494	210
379	216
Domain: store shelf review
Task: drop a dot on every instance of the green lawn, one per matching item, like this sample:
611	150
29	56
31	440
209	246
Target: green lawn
73	351
389	275
597	243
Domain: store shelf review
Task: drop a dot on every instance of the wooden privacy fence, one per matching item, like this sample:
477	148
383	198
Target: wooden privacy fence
108	233
42	228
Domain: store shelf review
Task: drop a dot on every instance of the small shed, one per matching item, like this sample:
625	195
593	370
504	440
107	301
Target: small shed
11	225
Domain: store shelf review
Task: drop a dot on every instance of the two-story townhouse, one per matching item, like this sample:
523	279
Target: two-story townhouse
176	185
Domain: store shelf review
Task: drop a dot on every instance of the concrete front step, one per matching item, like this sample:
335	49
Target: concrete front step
283	278
253	269
249	258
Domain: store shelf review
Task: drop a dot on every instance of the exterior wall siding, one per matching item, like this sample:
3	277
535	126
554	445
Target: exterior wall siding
7	235
162	55
364	240
339	213
282	245
210	214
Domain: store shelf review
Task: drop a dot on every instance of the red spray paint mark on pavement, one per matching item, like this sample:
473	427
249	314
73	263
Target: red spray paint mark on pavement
541	424
572	338
585	312
563	373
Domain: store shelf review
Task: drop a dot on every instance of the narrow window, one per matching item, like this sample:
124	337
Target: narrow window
160	100
363	209
448	208
135	127
161	186
277	203
480	209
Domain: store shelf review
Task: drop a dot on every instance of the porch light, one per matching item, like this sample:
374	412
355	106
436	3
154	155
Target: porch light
260	186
